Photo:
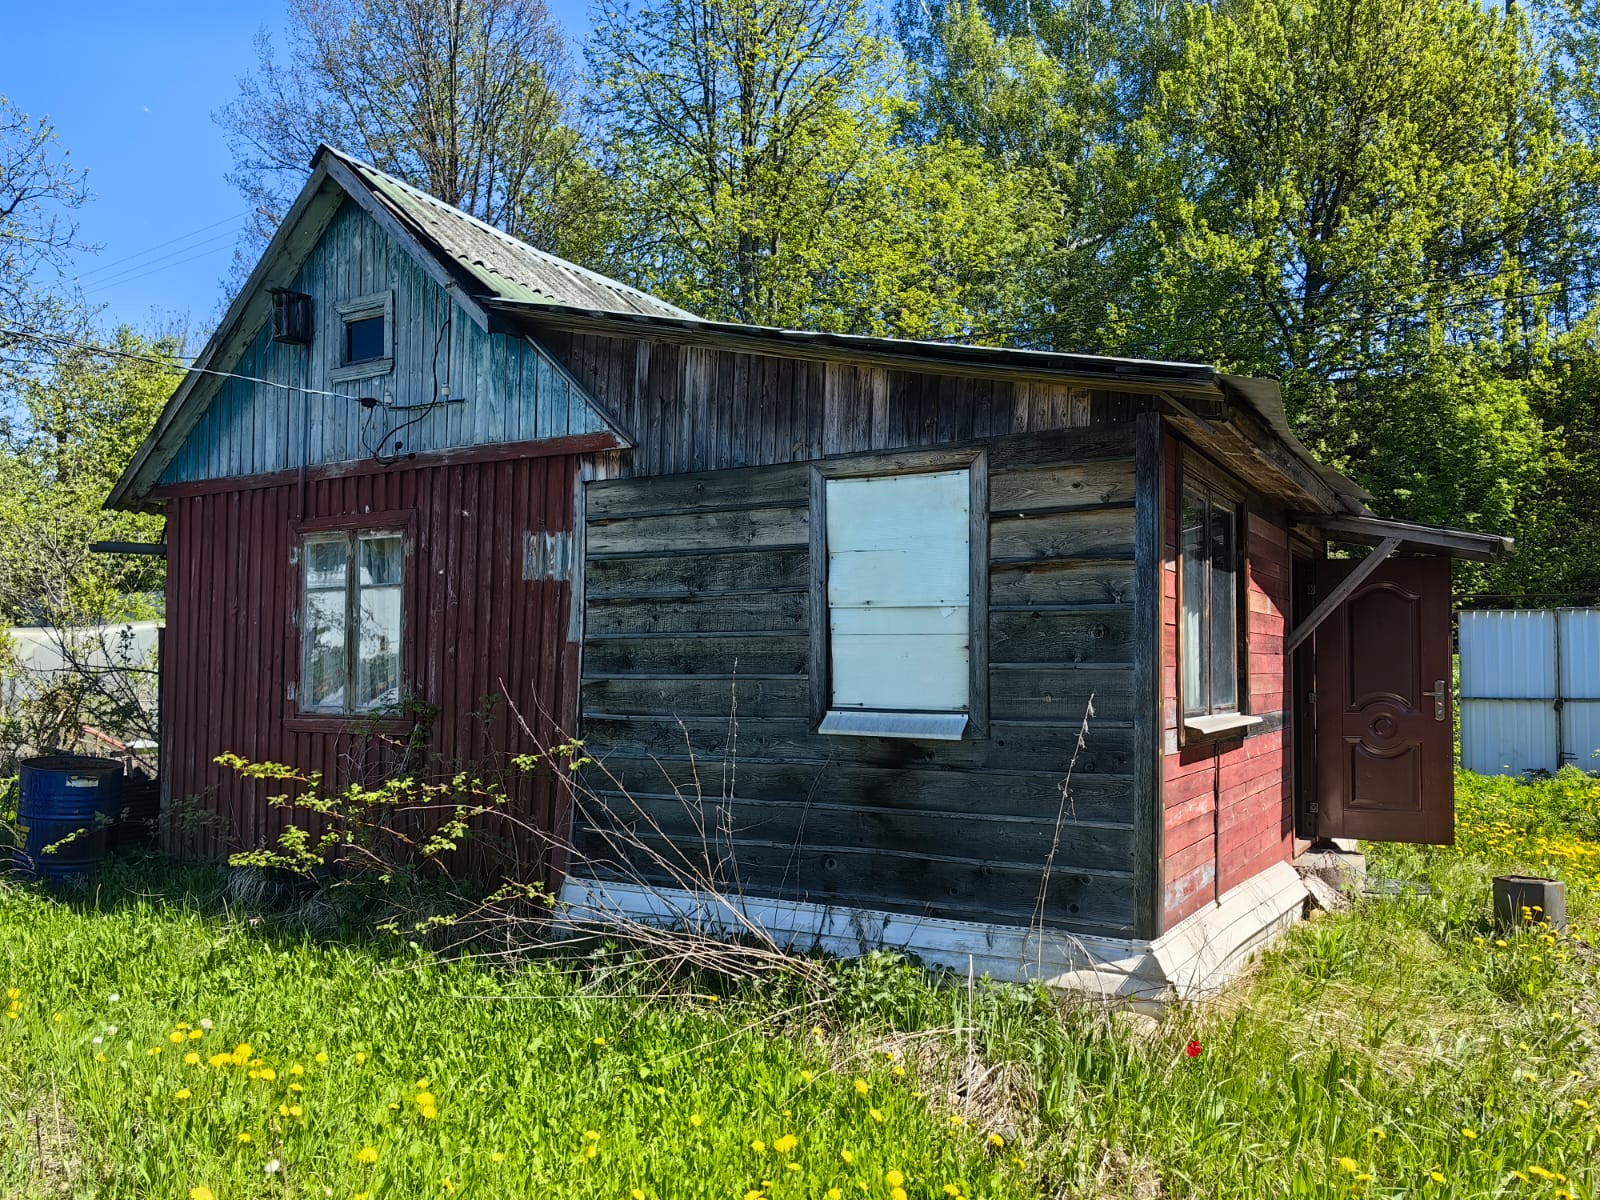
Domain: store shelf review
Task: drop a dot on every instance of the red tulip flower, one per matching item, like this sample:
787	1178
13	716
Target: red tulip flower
1193	1048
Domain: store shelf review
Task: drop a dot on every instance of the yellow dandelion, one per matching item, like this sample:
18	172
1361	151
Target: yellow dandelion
394	1108
426	1099
849	1156
245	1139
268	1074
362	1196
56	1017
360	1057
875	1113
1349	1164
897	1194
422	1085
862	1087
191	1059
1436	1176
792	1166
183	1094
497	1156
429	1113
283	1110
1377	1133
806	1077
754	1194
297	1070
599	1041
367	1155
951	1189
994	1139
201	1193
758	1146
295	1087
589	1135
590	1150
220	1060
448	1186
321	1058
957	1121
154	1050
786	1143
99	1058
894	1178
196	1034
1470	1135
835	1194
696	1120
13	993
636	1194
176	1037
1364	1178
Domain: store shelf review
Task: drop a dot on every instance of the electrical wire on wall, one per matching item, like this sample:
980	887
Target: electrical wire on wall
397	452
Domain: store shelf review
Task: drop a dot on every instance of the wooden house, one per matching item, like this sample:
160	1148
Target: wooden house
838	615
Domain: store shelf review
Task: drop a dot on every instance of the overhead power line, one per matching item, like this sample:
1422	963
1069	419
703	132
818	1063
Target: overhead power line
47	340
182	237
155	267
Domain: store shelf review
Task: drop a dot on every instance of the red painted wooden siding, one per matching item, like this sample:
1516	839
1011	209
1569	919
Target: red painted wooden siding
471	625
1229	807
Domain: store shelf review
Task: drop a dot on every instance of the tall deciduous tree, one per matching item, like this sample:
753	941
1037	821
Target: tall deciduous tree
469	100
761	174
1350	180
83	418
1053	88
40	190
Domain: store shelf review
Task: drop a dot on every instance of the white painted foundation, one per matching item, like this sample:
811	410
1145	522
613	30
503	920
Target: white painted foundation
1191	961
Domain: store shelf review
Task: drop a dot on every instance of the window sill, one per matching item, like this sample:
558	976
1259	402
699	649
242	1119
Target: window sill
1216	728
942	727
342	723
362	370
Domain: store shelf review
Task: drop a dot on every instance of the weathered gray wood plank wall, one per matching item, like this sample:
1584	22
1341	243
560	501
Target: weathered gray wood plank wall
696	694
695	409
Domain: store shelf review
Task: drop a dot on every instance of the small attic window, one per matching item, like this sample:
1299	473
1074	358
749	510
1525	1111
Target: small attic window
366	337
363	340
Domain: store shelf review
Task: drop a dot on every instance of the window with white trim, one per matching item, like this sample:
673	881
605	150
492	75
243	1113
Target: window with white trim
899	608
351	619
1209	605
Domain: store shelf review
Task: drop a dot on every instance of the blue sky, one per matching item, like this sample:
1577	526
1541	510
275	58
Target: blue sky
131	89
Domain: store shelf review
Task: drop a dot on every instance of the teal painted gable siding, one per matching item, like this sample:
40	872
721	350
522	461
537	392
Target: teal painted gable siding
510	391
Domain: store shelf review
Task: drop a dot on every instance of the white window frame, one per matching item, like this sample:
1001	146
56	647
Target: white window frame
835	715
351	537
361	308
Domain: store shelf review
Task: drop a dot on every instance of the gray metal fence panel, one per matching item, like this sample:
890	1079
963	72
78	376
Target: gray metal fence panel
1530	690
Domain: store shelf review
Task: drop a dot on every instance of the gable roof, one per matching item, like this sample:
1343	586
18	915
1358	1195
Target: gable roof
479	265
499	266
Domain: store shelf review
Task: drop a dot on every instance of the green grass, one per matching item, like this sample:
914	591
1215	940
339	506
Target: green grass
1403	1049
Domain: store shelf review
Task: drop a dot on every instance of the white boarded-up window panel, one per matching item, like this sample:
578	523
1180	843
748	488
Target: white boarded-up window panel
898	578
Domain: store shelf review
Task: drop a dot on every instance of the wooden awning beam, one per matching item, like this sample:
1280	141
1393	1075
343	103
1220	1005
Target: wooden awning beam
1455	543
1340	594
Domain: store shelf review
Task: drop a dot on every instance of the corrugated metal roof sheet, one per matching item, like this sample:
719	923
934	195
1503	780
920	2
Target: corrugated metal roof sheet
505	268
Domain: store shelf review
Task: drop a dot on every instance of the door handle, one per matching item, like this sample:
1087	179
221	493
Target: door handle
1441	699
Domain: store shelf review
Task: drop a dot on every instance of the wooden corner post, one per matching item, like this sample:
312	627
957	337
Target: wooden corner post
1150	508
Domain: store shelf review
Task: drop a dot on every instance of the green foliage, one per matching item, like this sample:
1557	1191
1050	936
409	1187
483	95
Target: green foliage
81	423
757	159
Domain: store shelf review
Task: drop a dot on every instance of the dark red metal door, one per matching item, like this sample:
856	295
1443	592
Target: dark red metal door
1383	705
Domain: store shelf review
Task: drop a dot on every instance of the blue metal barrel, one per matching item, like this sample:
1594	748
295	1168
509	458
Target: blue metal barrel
62	812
